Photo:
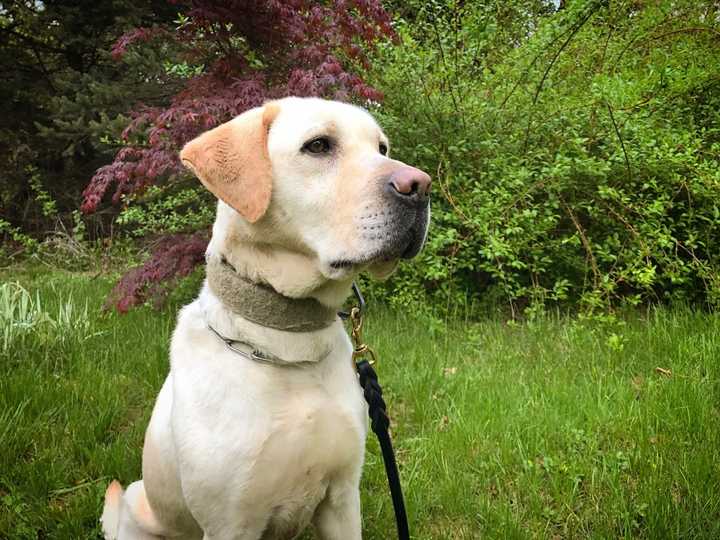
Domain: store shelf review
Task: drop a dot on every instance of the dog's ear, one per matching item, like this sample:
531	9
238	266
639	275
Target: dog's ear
232	161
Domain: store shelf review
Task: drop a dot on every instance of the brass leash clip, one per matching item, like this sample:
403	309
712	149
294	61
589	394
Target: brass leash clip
361	349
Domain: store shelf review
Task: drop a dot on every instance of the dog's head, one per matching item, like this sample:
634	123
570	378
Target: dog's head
314	177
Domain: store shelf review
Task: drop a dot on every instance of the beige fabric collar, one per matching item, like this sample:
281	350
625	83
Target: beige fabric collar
262	304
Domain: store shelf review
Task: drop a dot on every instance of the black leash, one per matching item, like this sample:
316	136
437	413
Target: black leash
363	357
379	422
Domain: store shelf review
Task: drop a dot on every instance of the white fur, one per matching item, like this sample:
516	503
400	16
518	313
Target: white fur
243	450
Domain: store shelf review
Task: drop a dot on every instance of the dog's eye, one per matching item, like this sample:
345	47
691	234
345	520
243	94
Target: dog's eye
383	149
318	145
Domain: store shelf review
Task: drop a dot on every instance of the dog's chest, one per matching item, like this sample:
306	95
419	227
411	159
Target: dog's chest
316	427
316	435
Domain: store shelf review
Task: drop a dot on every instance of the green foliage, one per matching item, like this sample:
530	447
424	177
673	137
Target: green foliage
17	236
575	153
42	197
170	208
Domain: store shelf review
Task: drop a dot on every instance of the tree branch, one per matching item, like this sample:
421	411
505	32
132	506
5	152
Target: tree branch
619	136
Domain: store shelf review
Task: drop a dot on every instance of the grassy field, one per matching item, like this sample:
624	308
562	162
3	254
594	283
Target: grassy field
555	429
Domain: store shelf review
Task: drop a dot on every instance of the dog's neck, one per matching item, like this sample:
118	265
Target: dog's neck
263	305
290	346
289	275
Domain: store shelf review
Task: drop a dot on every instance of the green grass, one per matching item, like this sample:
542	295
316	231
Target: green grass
554	429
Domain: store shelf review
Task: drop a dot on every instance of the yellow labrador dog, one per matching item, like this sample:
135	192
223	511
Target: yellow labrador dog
259	429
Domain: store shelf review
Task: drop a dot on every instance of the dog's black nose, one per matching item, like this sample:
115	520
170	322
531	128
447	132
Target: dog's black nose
410	184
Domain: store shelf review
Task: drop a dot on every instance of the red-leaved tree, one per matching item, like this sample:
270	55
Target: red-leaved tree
242	53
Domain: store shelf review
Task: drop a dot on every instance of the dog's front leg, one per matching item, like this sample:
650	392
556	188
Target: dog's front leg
338	515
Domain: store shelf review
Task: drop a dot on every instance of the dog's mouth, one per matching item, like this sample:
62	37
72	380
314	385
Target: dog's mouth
413	247
408	252
342	264
406	246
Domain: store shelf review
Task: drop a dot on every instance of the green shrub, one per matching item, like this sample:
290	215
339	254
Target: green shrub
574	153
168	209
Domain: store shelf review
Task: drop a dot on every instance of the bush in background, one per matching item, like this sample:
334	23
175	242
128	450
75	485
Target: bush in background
575	151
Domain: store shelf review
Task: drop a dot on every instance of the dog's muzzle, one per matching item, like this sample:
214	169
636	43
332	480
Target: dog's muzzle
395	226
